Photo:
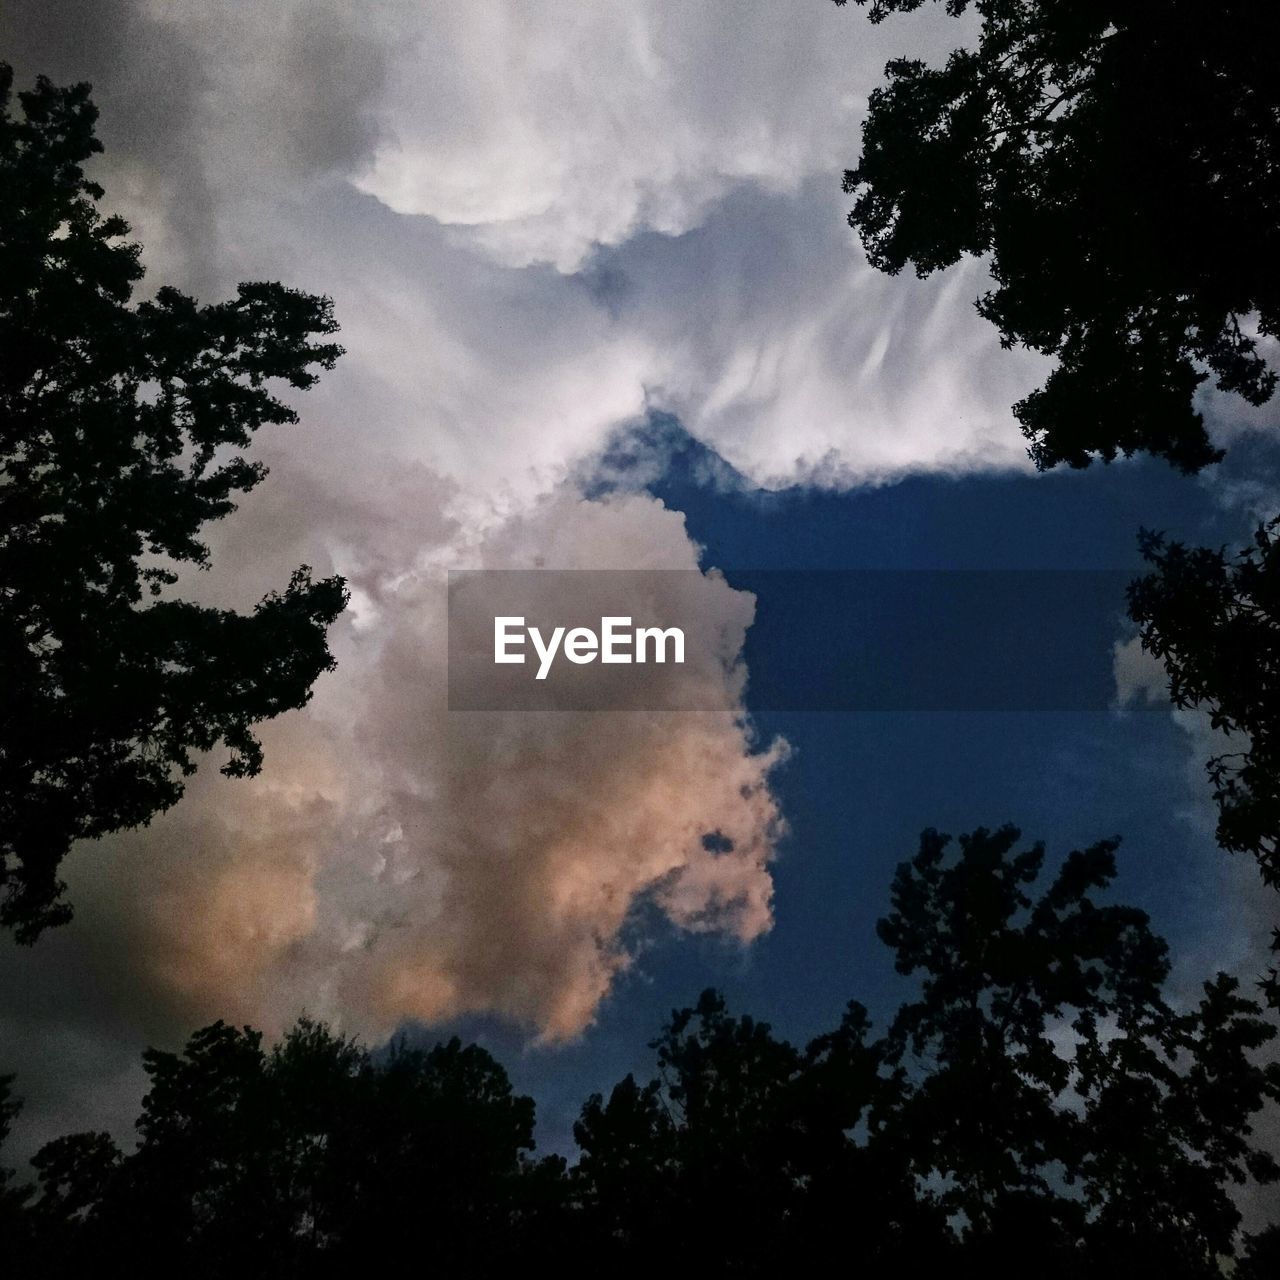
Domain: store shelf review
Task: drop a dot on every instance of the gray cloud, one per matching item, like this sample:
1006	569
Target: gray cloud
150	85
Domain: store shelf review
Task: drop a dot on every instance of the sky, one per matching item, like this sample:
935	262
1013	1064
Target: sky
602	310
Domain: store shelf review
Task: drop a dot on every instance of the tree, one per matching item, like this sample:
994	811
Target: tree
1120	164
1213	619
1060	1108
1036	1107
1261	1257
436	1150
13	1194
310	1158
739	1155
718	1141
121	431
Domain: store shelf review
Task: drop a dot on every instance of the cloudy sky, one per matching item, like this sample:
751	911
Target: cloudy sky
601	311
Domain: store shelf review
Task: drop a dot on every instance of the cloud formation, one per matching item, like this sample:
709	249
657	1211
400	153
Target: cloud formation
539	224
543	132
398	861
572	214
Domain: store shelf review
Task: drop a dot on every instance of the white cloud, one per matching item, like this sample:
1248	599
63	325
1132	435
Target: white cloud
543	131
538	222
397	861
691	158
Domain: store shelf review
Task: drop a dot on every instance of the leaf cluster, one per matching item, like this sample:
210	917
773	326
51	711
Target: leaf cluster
122	430
1118	163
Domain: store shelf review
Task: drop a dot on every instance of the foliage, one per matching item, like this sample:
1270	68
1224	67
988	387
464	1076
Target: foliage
121	426
1037	1107
13	1194
1062	1106
1213	619
1119	160
251	1162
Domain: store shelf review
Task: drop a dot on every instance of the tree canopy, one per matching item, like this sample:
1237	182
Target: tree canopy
1119	162
122	426
1213	618
1036	1106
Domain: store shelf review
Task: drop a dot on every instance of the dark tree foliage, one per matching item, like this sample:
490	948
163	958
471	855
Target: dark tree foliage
1260	1259
1213	619
13	1194
1037	1108
121	426
1119	160
312	1158
741	1151
1061	1107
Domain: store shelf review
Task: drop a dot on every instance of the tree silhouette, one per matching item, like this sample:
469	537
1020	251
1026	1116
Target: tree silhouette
1062	1109
1037	1108
1213	619
1120	164
315	1156
121	427
740	1153
438	1149
13	1194
1261	1257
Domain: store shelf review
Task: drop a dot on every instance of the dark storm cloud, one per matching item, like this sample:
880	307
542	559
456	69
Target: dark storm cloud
296	89
147	84
331	77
